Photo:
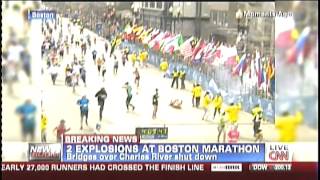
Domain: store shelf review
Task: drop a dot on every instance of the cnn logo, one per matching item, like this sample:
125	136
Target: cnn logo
279	155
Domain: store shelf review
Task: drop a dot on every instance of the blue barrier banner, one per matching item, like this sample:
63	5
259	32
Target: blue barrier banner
163	153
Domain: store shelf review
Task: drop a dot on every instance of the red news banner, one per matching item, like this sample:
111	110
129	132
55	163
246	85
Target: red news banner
297	167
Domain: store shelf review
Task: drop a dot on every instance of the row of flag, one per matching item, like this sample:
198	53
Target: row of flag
200	51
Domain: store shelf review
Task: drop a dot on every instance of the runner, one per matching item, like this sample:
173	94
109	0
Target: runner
54	73
155	102
193	94
99	63
115	65
104	70
27	116
61	130
102	96
84	109
257	117
206	104
137	77
68	74
83	75
197	94
94	56
233	134
44	123
217	103
129	96
222	127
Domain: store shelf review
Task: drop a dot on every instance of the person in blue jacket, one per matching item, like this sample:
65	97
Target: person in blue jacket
27	113
84	109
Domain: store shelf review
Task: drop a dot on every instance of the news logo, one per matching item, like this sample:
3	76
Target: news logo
41	14
278	152
152	132
44	152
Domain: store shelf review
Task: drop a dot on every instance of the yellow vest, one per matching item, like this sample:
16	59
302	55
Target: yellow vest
233	112
198	91
217	102
206	101
175	74
164	66
287	126
44	122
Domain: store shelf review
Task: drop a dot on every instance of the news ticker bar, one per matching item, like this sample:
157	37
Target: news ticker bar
160	167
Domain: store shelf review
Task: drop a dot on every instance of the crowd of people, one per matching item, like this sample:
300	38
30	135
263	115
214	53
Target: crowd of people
57	41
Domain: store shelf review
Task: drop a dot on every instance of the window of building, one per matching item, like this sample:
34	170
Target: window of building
152	4
159	5
219	17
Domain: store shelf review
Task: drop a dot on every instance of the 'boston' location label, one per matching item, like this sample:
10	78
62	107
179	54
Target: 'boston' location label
41	14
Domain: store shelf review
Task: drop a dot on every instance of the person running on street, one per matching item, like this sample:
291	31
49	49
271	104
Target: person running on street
94	56
197	94
54	73
102	96
193	95
27	116
129	96
206	104
217	103
175	75
233	134
137	77
61	130
104	70
83	75
44	123
99	63
155	102
115	65
222	127
84	109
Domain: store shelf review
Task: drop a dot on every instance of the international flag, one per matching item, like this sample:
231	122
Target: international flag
185	48
157	45
201	44
173	45
199	56
284	32
296	53
240	68
148	38
156	39
229	56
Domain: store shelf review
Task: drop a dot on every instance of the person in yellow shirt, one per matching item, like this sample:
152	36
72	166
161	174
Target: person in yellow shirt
217	103
233	112
164	65
257	117
287	125
206	103
44	122
175	75
133	58
145	58
197	94
141	58
182	77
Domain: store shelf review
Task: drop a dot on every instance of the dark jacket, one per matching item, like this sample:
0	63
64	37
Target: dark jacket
102	96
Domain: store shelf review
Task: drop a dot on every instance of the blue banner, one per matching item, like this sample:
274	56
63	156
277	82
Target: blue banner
163	153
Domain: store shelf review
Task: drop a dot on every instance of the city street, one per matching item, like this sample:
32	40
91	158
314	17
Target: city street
184	125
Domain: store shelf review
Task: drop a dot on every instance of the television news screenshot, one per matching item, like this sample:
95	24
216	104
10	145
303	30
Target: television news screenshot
200	89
